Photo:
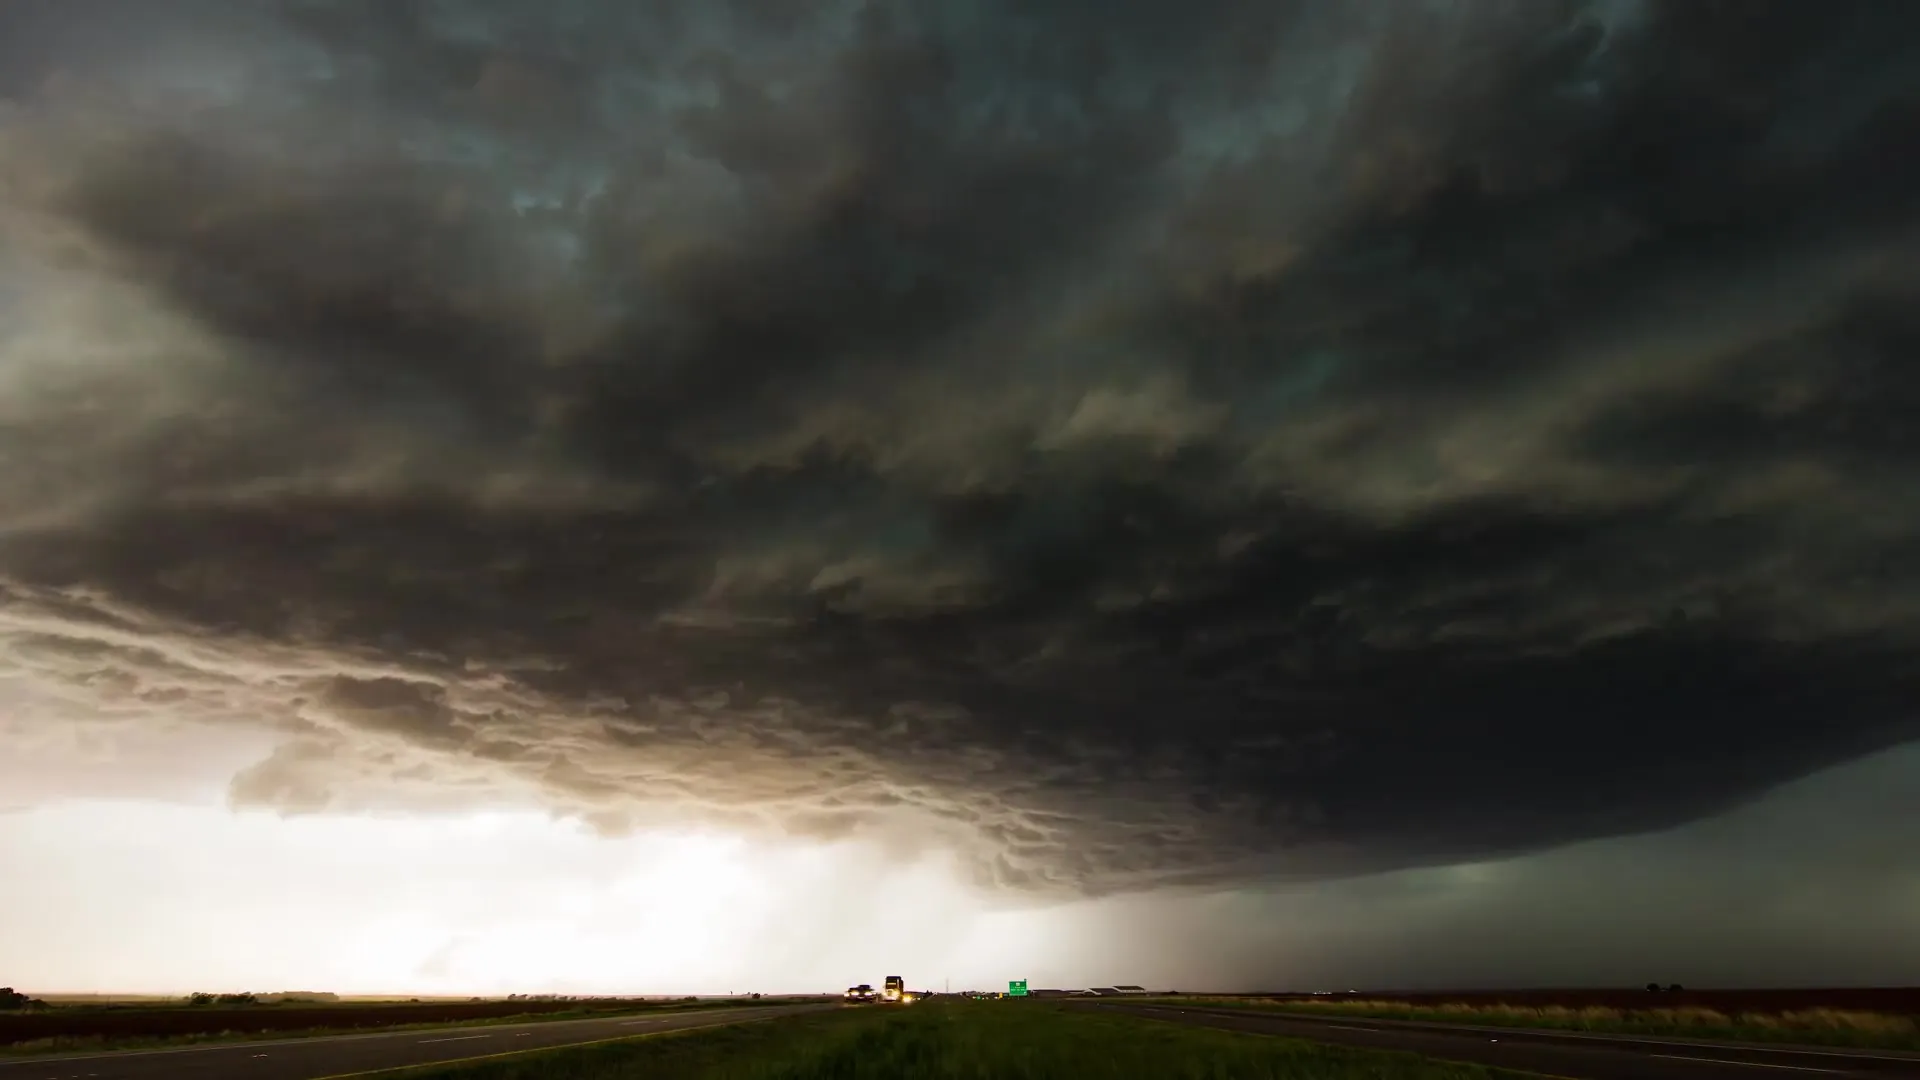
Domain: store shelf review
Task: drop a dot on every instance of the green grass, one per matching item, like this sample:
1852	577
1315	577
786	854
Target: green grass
86	1044
959	1041
1816	1027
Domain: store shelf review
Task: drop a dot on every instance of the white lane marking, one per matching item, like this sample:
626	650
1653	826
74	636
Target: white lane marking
630	1023
461	1038
220	1047
1743	1064
519	1034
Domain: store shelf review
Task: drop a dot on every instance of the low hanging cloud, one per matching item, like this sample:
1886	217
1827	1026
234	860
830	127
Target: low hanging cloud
1128	444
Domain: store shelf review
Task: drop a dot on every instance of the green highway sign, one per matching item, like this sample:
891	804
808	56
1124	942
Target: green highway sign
1017	988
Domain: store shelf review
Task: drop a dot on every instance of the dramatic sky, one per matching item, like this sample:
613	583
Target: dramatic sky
765	494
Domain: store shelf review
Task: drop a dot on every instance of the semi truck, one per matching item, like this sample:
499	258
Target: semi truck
893	990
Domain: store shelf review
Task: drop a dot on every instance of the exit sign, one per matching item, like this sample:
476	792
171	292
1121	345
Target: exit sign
1017	988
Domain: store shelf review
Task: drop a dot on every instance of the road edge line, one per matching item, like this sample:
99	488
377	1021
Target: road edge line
543	1049
1881	1054
1360	1049
342	1035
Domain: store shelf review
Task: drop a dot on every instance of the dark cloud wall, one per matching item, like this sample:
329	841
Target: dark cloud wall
1809	886
1133	443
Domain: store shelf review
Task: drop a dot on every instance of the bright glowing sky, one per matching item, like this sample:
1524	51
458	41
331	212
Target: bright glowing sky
687	497
176	890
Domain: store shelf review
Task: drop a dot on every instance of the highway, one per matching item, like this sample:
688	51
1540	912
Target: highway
339	1055
1578	1055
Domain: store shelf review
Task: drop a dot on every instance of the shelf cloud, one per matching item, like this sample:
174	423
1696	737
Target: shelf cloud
1131	445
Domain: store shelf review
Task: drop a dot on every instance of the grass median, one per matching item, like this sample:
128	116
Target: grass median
957	1041
1814	1027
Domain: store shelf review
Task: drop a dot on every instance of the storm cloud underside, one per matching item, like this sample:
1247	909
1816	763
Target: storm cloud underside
1129	444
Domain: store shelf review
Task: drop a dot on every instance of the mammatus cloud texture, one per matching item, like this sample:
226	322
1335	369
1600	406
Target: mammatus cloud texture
1128	443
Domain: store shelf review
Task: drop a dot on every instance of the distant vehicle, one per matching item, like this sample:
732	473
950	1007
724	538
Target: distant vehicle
861	993
895	988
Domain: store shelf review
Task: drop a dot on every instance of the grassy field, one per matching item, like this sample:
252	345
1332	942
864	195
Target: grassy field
134	1029
1817	1026
958	1041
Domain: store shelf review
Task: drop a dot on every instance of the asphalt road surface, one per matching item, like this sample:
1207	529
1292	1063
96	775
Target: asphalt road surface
337	1055
1567	1054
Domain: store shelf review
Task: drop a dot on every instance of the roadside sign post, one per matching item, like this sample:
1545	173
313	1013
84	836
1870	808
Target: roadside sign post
1017	988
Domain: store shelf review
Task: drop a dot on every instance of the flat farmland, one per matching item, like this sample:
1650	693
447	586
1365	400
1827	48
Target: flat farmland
1865	1017
1898	1000
114	1024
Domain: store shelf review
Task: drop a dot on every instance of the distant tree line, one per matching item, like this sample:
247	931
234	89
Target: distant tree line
284	997
11	999
223	999
580	997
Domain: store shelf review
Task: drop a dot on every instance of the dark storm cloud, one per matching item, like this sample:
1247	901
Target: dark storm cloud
1137	443
1810	886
